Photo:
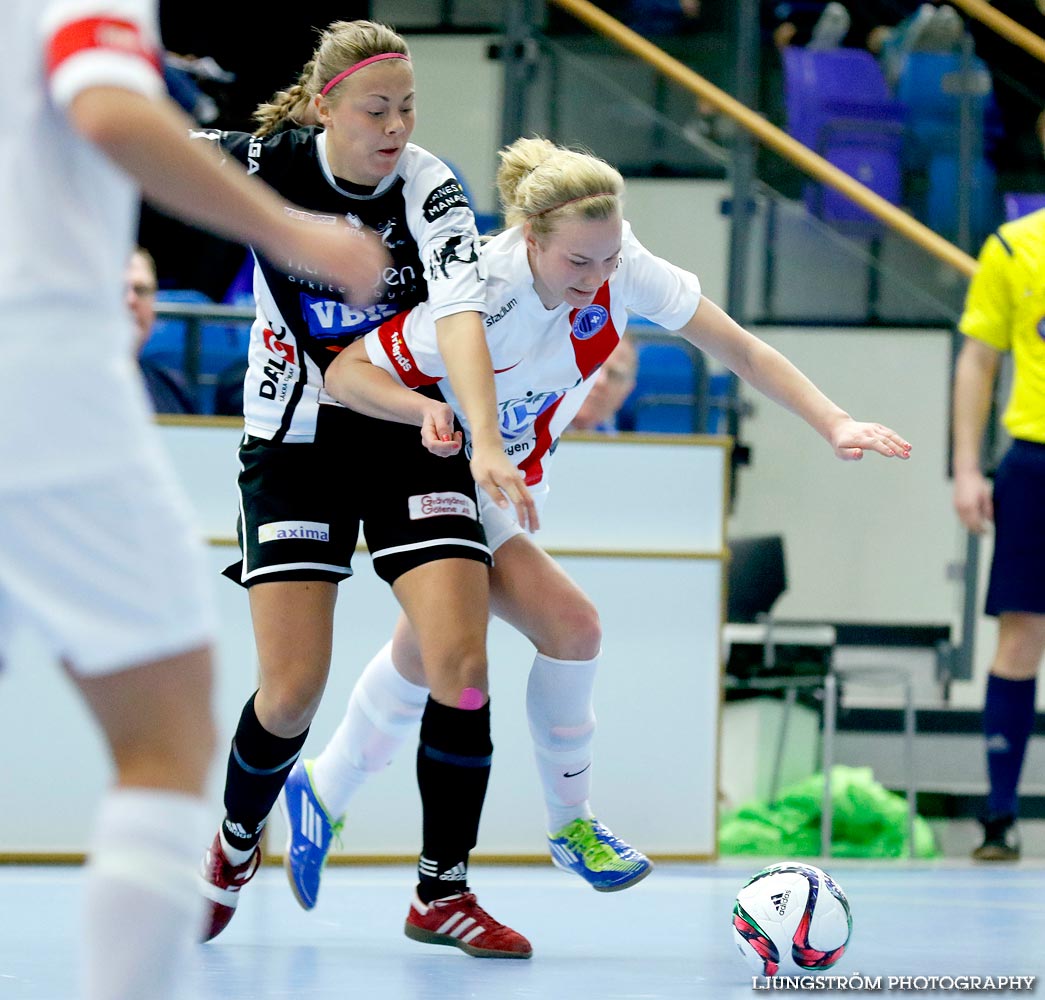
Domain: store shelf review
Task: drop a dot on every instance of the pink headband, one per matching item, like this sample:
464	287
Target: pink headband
570	201
355	67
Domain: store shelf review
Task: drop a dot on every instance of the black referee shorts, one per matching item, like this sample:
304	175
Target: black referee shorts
1017	580
301	505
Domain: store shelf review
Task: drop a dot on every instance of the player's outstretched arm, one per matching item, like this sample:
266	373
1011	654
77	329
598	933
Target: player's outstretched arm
758	364
150	140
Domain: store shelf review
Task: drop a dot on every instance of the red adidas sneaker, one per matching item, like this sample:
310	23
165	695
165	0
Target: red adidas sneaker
222	882
460	921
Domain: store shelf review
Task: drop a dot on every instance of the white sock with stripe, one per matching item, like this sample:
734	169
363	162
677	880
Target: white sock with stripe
383	711
143	910
562	724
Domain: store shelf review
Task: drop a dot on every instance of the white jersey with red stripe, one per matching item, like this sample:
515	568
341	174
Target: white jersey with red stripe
544	359
69	223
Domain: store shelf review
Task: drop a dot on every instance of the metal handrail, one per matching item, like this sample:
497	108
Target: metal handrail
1002	24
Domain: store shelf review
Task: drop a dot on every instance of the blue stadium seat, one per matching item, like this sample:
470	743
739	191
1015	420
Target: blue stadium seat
1020	203
942	198
668	393
719	403
838	104
166	345
221	344
929	89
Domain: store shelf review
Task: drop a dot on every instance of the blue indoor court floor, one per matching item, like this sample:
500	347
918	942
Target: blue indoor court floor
668	937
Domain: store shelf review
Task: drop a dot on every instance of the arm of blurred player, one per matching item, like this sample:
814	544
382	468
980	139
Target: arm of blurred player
149	139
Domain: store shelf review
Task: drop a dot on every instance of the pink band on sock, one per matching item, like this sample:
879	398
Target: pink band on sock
471	699
355	67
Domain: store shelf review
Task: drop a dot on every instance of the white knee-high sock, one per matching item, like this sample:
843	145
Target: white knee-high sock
144	911
384	709
562	724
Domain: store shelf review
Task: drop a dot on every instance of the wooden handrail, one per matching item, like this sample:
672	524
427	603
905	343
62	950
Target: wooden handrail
800	155
1005	26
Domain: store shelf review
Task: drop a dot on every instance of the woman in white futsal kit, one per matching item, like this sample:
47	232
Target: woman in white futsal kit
561	282
99	551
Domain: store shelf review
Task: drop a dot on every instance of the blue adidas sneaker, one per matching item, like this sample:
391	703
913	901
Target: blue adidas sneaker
586	848
310	833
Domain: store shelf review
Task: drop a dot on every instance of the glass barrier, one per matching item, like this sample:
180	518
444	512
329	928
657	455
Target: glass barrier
814	258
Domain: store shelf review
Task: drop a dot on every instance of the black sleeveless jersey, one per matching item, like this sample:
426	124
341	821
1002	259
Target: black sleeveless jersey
423	218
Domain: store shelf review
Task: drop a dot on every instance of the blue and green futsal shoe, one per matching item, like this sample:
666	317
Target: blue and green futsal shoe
586	848
310	832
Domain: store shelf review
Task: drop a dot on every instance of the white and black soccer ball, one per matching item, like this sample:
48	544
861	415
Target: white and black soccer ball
791	919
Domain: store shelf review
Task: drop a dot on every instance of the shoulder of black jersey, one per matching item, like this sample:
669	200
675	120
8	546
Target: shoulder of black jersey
418	166
276	155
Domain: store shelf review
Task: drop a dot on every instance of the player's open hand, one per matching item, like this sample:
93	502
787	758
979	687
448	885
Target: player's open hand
973	500
437	430
496	473
851	438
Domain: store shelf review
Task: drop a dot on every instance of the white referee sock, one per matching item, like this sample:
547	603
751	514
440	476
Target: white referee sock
384	709
562	724
144	910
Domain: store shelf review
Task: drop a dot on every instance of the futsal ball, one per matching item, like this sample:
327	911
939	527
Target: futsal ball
791	919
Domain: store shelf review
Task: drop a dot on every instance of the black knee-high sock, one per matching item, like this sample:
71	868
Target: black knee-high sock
258	766
453	768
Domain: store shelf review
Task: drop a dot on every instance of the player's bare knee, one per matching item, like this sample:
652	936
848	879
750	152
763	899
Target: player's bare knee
454	673
576	633
407	658
287	709
1021	646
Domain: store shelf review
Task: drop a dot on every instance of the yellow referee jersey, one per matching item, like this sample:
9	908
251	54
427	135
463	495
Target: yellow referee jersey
1005	308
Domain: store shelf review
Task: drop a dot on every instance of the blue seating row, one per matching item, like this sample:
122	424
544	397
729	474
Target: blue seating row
839	104
222	345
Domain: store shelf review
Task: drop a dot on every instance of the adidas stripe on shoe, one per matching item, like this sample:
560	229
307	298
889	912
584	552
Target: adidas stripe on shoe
310	832
459	921
588	849
221	883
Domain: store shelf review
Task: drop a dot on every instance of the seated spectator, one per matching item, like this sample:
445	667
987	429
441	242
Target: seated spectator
931	28
168	389
613	384
830	25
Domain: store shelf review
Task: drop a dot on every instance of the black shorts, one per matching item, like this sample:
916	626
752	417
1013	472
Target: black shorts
1017	581
301	505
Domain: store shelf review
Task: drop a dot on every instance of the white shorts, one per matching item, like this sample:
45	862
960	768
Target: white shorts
111	571
500	524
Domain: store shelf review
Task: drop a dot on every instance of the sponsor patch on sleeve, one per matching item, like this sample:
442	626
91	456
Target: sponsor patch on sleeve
307	531
454	253
441	505
390	336
442	199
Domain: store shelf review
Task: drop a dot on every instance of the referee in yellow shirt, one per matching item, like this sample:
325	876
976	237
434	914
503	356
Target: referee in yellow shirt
1005	311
